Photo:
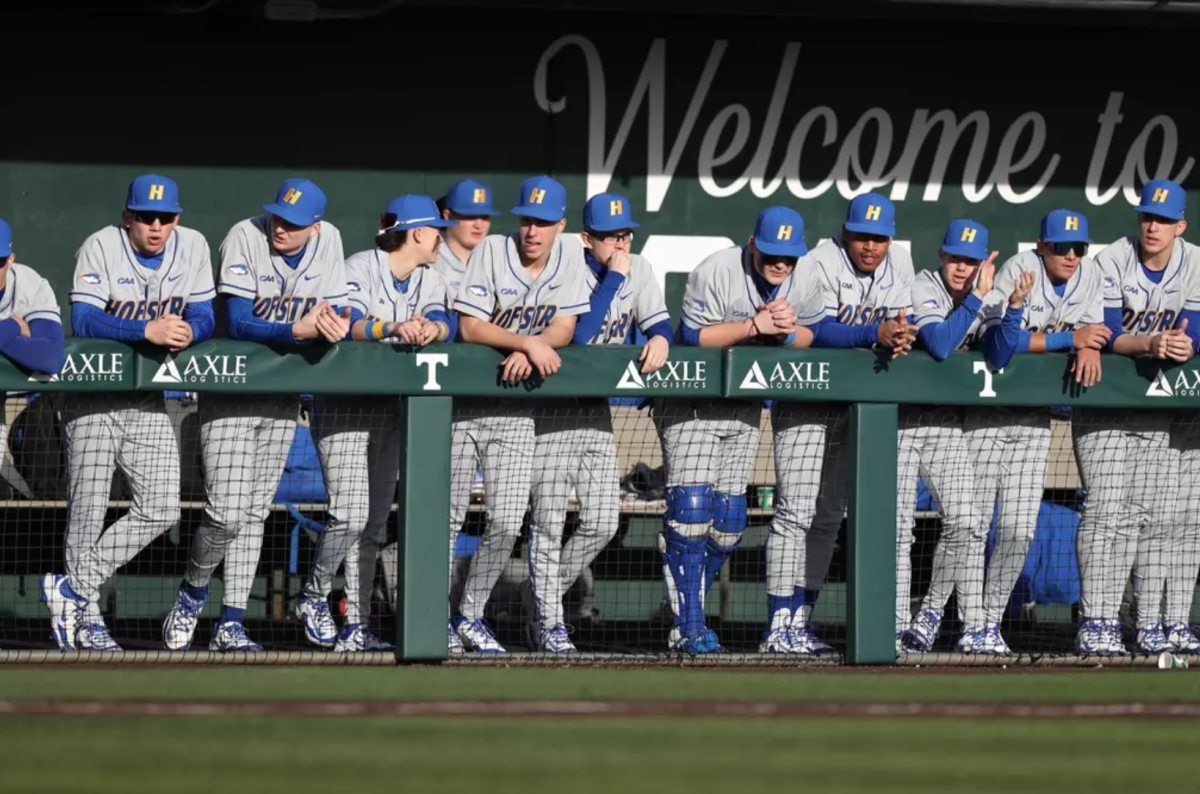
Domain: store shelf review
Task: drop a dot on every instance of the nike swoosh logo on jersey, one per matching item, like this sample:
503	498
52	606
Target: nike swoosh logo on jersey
556	286
176	277
310	278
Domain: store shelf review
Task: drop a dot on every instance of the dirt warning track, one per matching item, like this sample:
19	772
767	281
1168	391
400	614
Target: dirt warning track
594	709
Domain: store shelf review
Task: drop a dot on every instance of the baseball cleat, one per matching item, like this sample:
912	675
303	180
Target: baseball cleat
1089	640
806	642
476	636
232	636
1182	639
923	633
454	646
703	641
972	640
180	623
357	638
778	638
993	643
556	640
1152	640
1110	638
65	609
319	627
95	637
533	623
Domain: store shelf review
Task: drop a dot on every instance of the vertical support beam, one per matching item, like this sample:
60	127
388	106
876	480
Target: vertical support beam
871	535
424	539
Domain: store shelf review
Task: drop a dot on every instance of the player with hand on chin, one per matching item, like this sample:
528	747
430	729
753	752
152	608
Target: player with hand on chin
147	279
401	298
575	444
1046	300
865	285
283	276
1135	464
760	293
522	294
948	307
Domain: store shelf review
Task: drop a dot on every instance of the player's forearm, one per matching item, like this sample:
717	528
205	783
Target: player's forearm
727	334
92	322
592	321
560	332
445	322
1130	345
200	317
41	351
243	325
830	333
482	332
803	337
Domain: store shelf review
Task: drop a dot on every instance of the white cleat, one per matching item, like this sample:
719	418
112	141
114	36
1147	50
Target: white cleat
180	623
556	640
1152	640
1182	639
1089	640
806	642
357	638
923	633
1111	643
319	626
232	636
65	610
95	637
476	636
778	637
993	643
454	646
972	640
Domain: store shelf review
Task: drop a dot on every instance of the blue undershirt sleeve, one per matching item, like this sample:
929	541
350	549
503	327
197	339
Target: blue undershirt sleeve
590	323
830	333
942	339
245	326
1001	342
94	323
200	316
41	351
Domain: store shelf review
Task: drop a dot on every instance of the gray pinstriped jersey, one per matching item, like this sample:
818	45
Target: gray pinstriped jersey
452	270
1147	308
250	268
29	296
109	276
1082	301
856	298
722	290
373	291
639	300
932	303
496	288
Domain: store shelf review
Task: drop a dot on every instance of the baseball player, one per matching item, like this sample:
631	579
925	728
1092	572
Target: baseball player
522	293
468	203
402	300
284	280
1133	464
575	444
31	334
1045	300
764	292
866	288
147	279
947	306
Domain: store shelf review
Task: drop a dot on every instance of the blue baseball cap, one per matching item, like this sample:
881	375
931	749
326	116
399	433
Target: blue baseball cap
607	212
414	211
966	237
153	193
5	239
871	213
469	197
543	198
1163	197
779	231
299	202
1064	226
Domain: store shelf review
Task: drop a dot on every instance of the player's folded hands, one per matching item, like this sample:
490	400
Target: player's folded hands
408	331
1174	344
543	357
331	325
1092	337
516	368
654	354
169	331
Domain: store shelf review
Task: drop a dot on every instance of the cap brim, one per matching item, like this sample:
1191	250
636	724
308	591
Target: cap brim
5	254
155	208
290	214
628	225
437	223
537	211
871	227
775	249
1158	211
1067	240
963	250
473	211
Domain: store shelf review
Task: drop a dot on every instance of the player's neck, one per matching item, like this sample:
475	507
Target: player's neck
402	263
534	267
458	249
1159	261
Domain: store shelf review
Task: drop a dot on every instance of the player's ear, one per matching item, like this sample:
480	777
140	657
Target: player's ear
562	225
446	214
1180	228
315	229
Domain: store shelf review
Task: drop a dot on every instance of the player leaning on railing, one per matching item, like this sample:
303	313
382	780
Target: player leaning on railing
1140	468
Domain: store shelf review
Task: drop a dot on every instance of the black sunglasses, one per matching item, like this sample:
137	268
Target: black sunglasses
1062	249
148	217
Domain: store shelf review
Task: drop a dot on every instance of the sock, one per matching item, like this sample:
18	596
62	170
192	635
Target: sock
797	600
776	603
232	614
197	593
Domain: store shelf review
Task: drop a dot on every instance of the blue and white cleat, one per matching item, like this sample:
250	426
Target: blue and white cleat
778	636
1110	639
65	607
703	641
972	641
476	636
556	639
180	623
319	626
805	641
1182	639
357	638
923	633
454	646
95	637
1152	640
1089	640
232	636
993	642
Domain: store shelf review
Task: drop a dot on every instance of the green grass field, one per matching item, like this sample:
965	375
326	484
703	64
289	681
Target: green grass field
613	755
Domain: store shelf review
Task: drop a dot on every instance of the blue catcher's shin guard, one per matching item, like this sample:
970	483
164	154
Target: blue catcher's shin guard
729	518
683	558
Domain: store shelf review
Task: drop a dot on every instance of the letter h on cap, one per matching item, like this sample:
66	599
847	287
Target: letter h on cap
1072	223
784	233
873	211
615	207
536	195
156	192
479	196
292	196
968	235
1160	195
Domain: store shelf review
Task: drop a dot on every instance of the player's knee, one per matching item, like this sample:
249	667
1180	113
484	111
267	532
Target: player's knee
729	513
689	509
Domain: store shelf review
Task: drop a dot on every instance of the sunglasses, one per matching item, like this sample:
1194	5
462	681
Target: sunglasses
1062	249
148	217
